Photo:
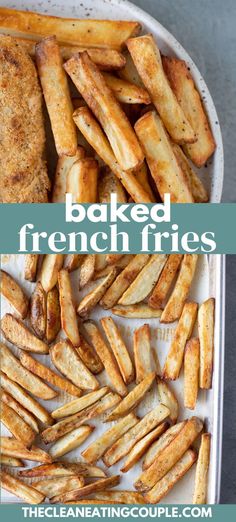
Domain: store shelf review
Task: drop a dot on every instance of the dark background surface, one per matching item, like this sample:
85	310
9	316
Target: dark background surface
207	30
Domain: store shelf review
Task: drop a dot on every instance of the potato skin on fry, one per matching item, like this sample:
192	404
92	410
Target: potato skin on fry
38	310
17	426
30	266
53	323
12	291
191	372
20	489
206	325
200	487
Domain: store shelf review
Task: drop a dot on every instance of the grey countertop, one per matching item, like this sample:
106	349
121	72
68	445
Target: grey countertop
206	28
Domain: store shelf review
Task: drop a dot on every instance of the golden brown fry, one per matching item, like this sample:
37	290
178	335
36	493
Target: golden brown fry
118	496
99	485
175	304
109	183
119	349
70	441
200	487
156	448
22	412
87	270
142	352
64	165
112	259
206	324
53	324
106	357
67	361
93	297
145	281
141	447
38	313
163	486
129	71
97	448
138	311
165	281
82	181
73	261
30	266
16	425
170	455
168	398
161	159
189	99
21	490
89	357
64	469
17	333
126	92
147	59
11	447
79	404
68	314
191	372
52	263
11	462
119	265
195	184
58	486
14	294
142	177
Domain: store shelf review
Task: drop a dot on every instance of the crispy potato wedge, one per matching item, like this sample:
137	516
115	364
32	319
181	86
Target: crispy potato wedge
17	333
82	181
69	321
53	322
94	296
195	184
122	446
145	281
67	361
64	165
119	496
170	455
156	447
141	447
22	412
206	325
174	359
73	261
20	489
119	265
25	399
17	426
168	398
52	263
200	487
64	469
126	92
95	136
142	352
56	94
119	349
165	281
12	367
163	486
182	83
191	373
38	312
161	159
109	184
11	462
70	441
58	486
89	357
106	357
99	485
79	404
11	447
97	448
137	311
175	304
87	270
147	59
14	294
30	266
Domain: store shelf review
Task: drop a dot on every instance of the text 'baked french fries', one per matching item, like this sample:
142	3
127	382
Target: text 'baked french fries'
147	59
195	184
21	490
30	266
161	159
17	426
168	398
67	361
82	181
70	441
182	333
38	312
109	184
22	412
11	447
52	263
14	294
53	319
95	136
137	311
133	398
101	100
87	270
119	349
89	357
106	357
99	485
141	447
69	408
97	448
126	92
163	486
156	447
206	324
68	314
120	496
200	487
11	462
165	281
123	445
170	455
145	281
191	373
64	469
189	99
64	165
17	333
142	352
56	94
175	304
92	298
58	486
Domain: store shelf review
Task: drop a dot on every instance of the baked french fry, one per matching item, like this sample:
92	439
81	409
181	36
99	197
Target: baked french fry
20	489
119	349
195	184
48	375
17	333
58	486
87	270
129	71
79	404
168	398
38	312
67	361
52	263
95	136
106	357
119	496
161	159
73	261
142	177
101	100
68	314
76	494
145	281
64	165
30	266
175	304
100	260
141	447
123	280
156	448
92	501
14	294
119	265
170	455
112	259
18	408
25	399
137	311
89	357
109	184
17	426
122	447
126	92
200	487
191	373
92	298
147	59
57	95
11	447
70	441
64	469
165	281
206	324
97	448
142	352
174	359
82	181
182	83
163	486
11	462
53	323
